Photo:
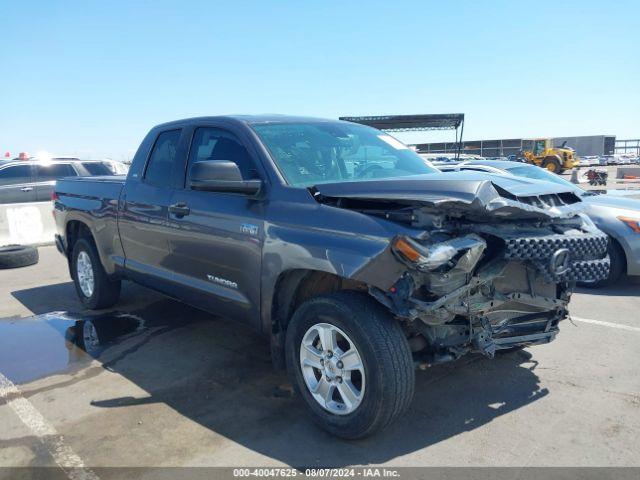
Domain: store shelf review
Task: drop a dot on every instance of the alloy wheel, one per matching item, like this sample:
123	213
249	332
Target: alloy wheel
84	270
332	368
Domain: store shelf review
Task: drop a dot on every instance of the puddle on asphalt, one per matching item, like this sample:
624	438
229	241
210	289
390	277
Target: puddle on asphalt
63	342
38	346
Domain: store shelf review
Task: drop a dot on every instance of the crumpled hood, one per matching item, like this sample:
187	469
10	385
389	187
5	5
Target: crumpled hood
476	193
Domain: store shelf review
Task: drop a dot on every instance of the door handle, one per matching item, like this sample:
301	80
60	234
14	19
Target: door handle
179	209
26	189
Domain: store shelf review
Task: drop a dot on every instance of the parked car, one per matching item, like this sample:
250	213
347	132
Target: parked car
589	161
618	159
618	217
33	180
449	157
118	168
355	275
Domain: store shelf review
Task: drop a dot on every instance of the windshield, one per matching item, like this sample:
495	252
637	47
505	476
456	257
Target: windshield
537	173
327	152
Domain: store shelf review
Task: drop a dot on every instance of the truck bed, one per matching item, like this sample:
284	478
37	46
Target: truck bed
99	187
91	201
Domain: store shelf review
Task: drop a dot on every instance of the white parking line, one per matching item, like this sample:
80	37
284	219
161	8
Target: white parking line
62	454
606	324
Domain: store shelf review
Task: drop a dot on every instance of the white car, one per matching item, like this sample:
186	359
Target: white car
589	161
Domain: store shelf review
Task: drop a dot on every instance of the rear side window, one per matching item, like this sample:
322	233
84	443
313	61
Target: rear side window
163	156
97	168
46	173
15	174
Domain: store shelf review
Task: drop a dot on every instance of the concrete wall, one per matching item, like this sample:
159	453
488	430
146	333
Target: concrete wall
26	223
585	146
589	145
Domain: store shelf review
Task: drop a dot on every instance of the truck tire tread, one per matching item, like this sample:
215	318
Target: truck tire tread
367	320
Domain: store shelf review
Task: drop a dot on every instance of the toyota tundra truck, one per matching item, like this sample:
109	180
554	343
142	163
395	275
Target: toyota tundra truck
357	259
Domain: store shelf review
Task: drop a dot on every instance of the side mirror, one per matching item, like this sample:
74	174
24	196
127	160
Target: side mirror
221	176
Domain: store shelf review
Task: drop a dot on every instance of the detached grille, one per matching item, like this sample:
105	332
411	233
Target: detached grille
586	246
582	271
585	255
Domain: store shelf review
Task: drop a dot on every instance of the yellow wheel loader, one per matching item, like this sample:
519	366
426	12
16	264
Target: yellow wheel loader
541	152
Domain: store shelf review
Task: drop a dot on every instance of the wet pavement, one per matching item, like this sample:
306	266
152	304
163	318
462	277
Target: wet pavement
157	383
58	342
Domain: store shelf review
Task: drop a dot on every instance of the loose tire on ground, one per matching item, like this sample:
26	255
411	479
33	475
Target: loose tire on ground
15	256
105	292
389	374
618	266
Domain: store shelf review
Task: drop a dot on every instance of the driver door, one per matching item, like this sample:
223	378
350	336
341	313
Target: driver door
215	241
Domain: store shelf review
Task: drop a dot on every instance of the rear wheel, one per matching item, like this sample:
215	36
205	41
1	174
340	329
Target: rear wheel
350	362
553	164
93	286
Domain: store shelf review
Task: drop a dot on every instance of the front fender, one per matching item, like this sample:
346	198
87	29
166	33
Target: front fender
302	234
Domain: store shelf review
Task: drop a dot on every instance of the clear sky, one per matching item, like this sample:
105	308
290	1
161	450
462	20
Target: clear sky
90	78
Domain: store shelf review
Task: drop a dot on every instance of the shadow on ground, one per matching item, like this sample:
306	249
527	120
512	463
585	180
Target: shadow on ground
218	373
62	297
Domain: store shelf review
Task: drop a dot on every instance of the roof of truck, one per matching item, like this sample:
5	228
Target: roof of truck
250	119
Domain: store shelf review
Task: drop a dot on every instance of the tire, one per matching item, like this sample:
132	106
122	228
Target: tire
387	377
15	256
105	292
618	266
553	164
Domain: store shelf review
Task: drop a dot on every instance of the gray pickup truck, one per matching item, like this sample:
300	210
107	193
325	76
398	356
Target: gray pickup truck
357	258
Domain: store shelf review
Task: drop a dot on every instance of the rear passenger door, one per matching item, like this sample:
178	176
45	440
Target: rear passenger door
16	184
46	176
144	208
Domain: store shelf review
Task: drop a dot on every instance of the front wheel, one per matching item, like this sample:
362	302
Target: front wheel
95	289
552	164
350	362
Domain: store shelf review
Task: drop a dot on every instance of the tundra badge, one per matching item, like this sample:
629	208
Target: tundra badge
222	281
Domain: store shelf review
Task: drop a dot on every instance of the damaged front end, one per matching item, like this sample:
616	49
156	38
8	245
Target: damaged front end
494	287
482	282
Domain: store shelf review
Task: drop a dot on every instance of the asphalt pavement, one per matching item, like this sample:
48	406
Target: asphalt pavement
153	382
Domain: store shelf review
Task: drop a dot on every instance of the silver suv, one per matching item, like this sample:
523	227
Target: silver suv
33	180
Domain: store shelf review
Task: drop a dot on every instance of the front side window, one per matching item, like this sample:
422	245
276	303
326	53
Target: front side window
15	174
54	171
327	152
160	167
217	144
